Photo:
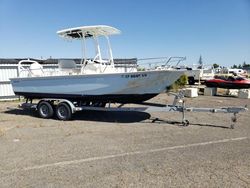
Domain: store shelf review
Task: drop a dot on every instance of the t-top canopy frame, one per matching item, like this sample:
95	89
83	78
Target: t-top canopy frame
88	32
85	32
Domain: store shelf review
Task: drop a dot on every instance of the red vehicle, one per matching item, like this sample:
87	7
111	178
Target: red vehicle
229	83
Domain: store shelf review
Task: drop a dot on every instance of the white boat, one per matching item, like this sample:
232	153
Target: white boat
97	80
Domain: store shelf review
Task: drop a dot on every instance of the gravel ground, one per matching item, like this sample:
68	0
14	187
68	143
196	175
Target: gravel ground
125	149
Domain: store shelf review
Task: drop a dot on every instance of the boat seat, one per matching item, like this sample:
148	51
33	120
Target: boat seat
91	68
68	65
36	69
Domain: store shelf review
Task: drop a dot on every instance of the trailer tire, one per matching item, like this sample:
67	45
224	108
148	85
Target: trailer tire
45	110
63	111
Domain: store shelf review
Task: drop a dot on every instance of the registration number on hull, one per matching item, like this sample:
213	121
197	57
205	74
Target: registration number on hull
134	75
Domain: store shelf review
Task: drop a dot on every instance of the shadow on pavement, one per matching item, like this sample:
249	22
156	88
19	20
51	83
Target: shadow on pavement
118	117
115	117
99	116
17	111
179	123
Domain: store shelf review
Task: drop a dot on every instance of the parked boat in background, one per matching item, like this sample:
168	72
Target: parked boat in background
229	82
194	73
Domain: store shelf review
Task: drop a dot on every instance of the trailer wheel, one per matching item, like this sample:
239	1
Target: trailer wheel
45	109
63	111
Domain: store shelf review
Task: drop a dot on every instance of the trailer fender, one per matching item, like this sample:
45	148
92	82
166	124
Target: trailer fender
71	105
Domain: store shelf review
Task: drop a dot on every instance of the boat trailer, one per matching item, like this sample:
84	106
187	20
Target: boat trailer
65	108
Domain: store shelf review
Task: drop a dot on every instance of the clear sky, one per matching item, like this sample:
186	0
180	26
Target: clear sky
219	30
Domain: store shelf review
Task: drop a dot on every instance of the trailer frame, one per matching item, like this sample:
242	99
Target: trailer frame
177	106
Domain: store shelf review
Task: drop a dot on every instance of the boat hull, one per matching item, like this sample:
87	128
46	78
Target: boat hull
121	98
118	87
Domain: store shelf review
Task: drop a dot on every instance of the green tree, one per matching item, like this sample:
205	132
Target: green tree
216	65
178	84
245	65
234	66
200	63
